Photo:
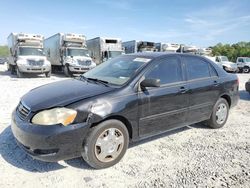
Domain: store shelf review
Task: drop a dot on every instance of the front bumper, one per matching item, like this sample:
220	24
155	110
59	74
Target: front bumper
231	69
49	143
34	69
79	69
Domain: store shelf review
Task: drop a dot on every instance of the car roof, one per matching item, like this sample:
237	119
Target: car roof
154	55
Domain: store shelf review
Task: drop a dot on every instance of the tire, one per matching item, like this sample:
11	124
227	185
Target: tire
115	149
67	71
18	73
48	74
246	70
214	122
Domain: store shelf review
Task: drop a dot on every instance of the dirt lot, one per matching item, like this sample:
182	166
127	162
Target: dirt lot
189	157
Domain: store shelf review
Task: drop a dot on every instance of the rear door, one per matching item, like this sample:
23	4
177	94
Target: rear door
204	88
164	107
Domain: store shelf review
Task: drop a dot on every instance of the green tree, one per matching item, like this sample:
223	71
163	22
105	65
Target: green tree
4	52
240	49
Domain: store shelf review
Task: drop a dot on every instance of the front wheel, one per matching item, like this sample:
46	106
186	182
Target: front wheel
67	71
105	144
18	73
219	115
246	69
48	74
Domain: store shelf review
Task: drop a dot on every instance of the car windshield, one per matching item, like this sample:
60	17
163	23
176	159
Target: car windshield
31	51
77	52
224	58
247	60
117	71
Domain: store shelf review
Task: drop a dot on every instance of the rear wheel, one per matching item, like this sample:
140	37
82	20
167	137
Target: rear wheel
219	115
106	144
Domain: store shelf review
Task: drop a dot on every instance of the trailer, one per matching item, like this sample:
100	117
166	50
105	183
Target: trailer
27	55
167	47
68	52
134	46
103	48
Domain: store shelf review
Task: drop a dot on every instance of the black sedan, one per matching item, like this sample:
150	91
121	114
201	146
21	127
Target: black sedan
123	100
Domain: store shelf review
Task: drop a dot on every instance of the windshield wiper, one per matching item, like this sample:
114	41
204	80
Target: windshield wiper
106	83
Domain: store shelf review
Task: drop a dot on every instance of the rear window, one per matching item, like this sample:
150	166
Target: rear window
196	68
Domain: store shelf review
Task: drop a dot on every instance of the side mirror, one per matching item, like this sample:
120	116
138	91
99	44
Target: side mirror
150	83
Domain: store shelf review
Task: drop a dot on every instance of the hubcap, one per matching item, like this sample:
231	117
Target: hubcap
221	113
109	145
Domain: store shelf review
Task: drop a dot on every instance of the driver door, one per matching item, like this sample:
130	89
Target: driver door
165	107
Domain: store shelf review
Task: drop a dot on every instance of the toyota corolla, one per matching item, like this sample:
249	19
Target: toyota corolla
123	100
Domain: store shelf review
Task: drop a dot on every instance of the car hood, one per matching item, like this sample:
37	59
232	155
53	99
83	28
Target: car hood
228	63
62	93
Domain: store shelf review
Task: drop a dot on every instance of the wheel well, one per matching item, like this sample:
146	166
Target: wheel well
227	98
123	120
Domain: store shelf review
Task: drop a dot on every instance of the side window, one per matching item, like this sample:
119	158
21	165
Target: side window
240	60
213	72
196	68
167	70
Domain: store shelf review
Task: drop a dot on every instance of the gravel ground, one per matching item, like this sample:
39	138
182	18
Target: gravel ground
188	157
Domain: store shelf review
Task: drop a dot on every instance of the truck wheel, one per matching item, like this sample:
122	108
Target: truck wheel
246	69
105	144
219	115
18	73
67	71
48	74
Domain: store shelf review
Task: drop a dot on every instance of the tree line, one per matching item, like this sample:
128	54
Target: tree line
240	49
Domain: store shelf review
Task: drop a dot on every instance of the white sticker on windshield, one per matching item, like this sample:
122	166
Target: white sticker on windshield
140	59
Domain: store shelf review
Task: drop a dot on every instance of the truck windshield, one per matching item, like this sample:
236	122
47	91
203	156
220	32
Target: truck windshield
113	54
31	51
146	49
224	58
118	70
77	52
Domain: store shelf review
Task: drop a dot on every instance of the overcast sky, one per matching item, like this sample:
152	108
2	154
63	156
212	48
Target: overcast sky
193	22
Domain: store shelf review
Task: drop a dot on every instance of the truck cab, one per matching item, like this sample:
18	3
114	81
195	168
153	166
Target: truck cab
104	48
226	64
68	52
27	55
243	64
167	47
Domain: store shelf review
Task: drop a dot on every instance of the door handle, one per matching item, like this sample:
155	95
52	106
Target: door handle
216	83
183	89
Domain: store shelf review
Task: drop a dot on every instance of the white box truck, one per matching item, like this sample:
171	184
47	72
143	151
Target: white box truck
134	46
103	48
27	55
68	52
167	47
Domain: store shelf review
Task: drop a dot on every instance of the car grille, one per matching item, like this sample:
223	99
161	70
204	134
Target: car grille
36	63
84	63
22	111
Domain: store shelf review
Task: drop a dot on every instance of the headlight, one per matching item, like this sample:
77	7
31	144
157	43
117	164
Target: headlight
54	116
22	62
